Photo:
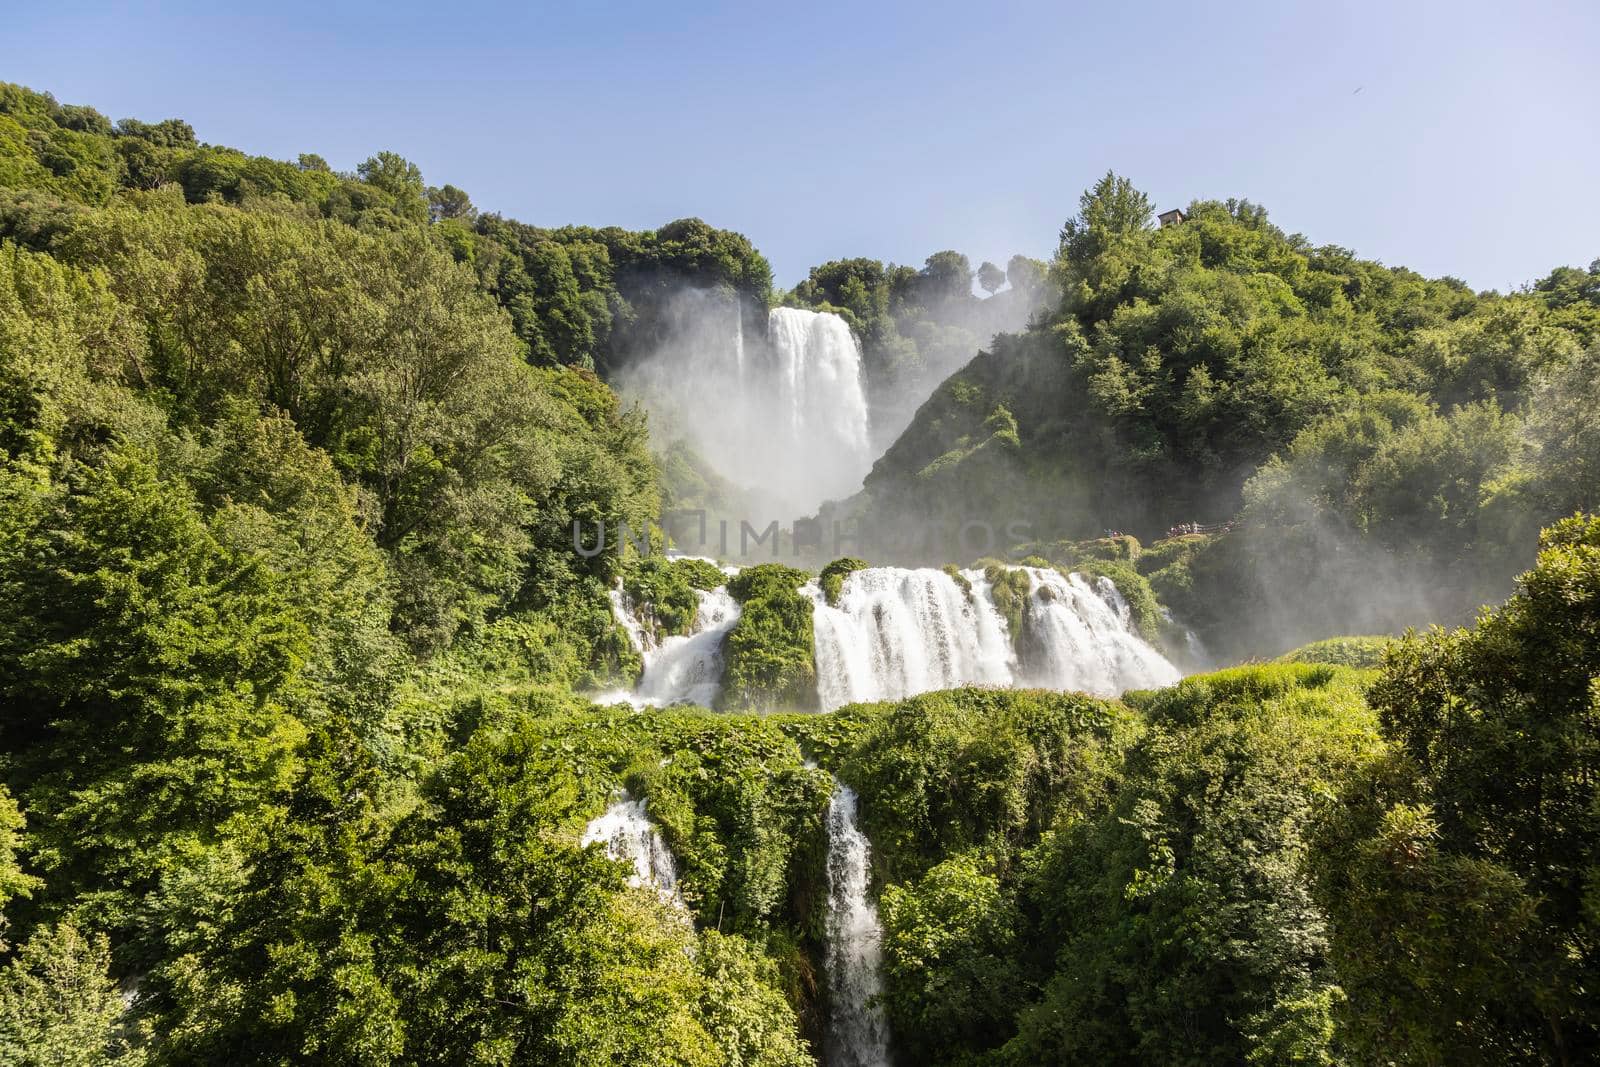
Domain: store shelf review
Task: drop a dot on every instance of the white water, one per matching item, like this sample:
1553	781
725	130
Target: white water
817	368
896	632
628	835
858	1035
784	417
1080	637
682	668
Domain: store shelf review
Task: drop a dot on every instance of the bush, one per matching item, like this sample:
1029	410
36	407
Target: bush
833	575
1342	651
769	662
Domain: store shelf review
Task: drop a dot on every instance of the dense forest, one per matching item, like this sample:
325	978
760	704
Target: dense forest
297	657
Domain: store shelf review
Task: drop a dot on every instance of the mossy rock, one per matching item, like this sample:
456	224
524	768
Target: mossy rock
663	591
1009	589
1173	551
833	575
769	662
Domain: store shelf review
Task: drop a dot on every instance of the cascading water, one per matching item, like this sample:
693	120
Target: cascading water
629	836
823	404
895	633
784	416
858	1035
682	668
1081	637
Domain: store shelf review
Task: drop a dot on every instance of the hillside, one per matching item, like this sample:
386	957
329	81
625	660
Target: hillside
1354	422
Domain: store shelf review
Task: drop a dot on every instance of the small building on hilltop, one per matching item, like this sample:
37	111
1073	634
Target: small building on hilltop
1171	218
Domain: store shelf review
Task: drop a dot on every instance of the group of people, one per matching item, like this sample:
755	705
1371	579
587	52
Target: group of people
1184	528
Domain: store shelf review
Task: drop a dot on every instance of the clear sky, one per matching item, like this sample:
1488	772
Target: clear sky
1456	138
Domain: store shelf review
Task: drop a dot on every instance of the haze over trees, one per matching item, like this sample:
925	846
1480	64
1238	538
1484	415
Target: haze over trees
296	650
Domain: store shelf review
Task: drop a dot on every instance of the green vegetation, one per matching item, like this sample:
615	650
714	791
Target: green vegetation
769	658
1484	811
290	465
1387	443
1345	651
1009	589
667	588
832	577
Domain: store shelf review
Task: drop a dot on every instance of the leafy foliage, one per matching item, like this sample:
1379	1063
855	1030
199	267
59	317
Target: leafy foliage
769	663
1484	814
295	608
831	579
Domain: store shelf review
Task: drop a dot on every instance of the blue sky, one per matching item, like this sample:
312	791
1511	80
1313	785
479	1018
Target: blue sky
1456	138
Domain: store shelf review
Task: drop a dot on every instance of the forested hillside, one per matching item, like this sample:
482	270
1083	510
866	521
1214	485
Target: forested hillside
1380	441
300	759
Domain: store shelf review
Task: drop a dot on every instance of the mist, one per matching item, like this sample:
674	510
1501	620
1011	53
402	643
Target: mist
782	412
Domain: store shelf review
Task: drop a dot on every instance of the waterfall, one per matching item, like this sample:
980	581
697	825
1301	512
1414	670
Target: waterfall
1080	636
858	1035
822	402
897	632
785	415
628	835
682	668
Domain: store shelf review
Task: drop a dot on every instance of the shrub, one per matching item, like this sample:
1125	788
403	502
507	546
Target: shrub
768	662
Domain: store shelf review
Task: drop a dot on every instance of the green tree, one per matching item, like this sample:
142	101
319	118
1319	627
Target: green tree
1108	213
14	882
448	202
991	277
145	666
58	1007
1566	434
1462	875
401	179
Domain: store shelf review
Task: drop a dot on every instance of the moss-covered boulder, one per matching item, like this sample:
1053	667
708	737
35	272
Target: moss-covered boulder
1009	589
768	661
833	575
662	591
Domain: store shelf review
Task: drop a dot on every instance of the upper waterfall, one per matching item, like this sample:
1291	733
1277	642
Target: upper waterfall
784	415
818	374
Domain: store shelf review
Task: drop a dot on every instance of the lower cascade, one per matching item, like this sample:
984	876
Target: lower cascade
1080	637
682	668
629	836
858	1034
896	632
